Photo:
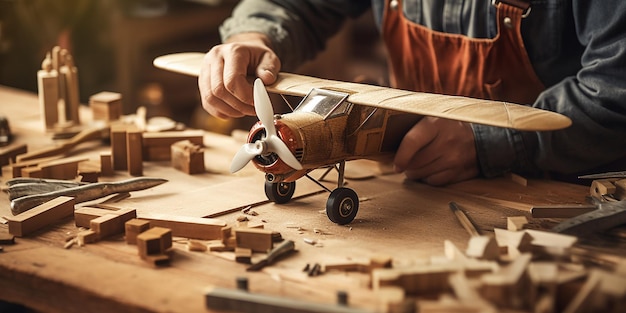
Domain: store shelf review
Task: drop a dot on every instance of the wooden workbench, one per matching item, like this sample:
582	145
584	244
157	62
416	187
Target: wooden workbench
408	221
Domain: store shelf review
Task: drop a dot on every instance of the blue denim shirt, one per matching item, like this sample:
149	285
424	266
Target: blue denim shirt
577	48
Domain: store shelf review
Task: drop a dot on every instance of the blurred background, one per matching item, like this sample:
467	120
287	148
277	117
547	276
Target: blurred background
113	43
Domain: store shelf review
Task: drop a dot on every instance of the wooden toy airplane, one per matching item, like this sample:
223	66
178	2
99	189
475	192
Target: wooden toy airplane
339	121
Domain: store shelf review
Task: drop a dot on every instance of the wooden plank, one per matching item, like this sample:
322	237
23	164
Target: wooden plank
41	216
186	226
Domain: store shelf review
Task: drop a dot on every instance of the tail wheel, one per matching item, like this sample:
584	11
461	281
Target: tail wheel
280	192
342	205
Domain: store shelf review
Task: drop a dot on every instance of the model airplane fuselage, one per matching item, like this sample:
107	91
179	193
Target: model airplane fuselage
326	129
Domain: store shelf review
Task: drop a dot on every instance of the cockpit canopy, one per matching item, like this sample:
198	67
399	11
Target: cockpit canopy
324	102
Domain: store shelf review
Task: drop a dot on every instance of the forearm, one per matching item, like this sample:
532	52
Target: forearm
297	30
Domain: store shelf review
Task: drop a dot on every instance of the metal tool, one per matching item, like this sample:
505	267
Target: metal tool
464	219
26	186
606	216
285	248
86	192
561	210
620	174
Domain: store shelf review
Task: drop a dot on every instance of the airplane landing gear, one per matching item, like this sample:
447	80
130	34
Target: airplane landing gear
342	205
280	192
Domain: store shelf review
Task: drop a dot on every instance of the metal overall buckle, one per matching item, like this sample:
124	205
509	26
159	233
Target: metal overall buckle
525	5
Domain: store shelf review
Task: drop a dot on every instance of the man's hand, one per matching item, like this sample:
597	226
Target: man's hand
223	80
438	152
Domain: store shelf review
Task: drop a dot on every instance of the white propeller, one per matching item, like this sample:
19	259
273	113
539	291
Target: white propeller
271	143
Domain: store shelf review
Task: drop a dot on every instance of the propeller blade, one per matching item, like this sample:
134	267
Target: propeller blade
246	153
278	146
263	107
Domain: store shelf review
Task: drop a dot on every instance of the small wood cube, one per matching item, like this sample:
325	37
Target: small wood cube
133	228
154	241
106	106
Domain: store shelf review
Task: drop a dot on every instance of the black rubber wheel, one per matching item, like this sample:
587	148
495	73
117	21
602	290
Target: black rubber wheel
342	206
280	192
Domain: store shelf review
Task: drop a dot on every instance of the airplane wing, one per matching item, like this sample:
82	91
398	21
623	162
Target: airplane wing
465	109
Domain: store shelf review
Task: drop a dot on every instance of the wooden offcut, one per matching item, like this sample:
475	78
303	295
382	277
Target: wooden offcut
157	145
186	226
134	227
187	157
154	241
106	106
41	216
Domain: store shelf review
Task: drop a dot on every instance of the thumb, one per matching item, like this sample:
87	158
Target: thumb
268	69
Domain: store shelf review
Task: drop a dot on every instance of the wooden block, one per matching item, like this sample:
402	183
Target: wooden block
65	168
9	154
32	172
72	98
452	252
106	106
6	239
243	255
41	216
431	279
509	287
48	91
194	245
112	224
134	151
259	240
106	164
16	168
226	233
157	259
187	226
118	147
518	179
550	239
602	187
483	247
154	241
515	223
86	236
349	266
89	171
157	145
187	157
620	189
82	216
134	227
516	242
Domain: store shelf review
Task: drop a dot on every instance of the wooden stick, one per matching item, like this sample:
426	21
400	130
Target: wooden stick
465	221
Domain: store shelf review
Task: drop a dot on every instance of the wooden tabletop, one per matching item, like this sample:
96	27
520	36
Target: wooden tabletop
405	220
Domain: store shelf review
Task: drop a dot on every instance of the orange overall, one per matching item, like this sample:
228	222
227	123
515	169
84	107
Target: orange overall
430	61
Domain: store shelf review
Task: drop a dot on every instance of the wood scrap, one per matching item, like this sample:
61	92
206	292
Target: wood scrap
186	226
41	216
187	157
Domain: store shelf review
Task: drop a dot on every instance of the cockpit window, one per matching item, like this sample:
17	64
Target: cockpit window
325	103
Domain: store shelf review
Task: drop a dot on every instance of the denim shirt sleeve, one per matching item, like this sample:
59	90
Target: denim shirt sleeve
594	97
298	29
